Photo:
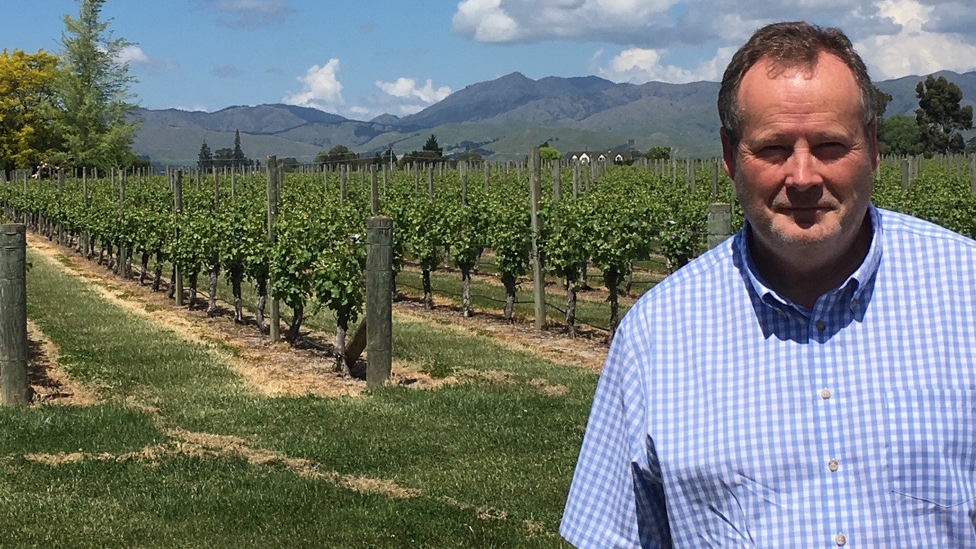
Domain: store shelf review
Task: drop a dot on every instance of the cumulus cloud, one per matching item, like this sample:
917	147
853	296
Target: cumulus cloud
138	59
896	37
133	55
510	21
401	97
638	66
320	88
248	14
406	88
914	48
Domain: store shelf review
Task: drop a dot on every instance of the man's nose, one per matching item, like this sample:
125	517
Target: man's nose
803	169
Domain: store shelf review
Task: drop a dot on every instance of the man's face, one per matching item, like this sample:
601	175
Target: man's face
803	164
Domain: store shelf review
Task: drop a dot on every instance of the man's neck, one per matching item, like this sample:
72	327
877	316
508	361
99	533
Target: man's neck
802	281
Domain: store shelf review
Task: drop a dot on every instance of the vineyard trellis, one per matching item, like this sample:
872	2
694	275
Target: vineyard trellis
620	222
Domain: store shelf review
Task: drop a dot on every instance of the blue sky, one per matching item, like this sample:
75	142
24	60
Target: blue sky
363	59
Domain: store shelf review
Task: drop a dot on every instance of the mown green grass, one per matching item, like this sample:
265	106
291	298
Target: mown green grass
494	442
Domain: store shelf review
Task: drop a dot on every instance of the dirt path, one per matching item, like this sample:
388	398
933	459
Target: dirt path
280	369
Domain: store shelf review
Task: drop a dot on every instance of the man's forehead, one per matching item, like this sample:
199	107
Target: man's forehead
775	67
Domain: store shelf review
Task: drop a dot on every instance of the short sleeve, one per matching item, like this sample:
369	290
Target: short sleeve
616	499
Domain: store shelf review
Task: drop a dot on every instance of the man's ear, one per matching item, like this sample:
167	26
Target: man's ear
728	153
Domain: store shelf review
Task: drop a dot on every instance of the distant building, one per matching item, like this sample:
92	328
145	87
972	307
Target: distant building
620	155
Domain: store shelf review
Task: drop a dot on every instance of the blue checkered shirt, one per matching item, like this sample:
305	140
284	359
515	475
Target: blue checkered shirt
727	416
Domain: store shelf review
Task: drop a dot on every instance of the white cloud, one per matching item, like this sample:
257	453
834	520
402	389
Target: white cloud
904	12
133	55
912	50
508	21
401	97
406	88
321	88
638	66
138	59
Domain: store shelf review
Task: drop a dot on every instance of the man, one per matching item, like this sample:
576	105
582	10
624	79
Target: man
811	382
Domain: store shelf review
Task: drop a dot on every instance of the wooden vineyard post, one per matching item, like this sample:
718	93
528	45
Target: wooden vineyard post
972	172
557	184
374	190
719	224
576	181
715	170
178	210
61	232
535	192
14	387
275	329
379	300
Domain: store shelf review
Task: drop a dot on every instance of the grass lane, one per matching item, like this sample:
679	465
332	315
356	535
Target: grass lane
483	463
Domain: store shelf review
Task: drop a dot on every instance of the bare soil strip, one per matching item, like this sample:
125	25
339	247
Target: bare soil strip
48	380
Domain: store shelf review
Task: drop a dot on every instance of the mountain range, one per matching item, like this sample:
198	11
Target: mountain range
499	119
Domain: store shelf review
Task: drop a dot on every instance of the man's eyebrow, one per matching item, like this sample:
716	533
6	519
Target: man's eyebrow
776	135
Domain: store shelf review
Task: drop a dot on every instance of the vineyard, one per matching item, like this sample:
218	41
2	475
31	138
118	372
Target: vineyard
300	238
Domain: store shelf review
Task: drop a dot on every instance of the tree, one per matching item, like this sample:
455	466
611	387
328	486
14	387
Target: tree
239	158
205	157
337	155
289	164
93	92
898	135
471	157
658	153
939	116
432	146
223	158
27	108
549	154
881	100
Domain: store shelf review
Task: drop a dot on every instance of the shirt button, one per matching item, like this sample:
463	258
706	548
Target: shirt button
853	304
825	393
841	540
833	465
821	326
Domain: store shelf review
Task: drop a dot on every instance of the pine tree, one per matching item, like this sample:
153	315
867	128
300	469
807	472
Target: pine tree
205	158
432	146
239	158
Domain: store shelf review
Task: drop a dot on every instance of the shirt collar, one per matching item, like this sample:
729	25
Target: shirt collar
857	281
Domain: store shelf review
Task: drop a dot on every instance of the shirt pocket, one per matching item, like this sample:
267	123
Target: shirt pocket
932	445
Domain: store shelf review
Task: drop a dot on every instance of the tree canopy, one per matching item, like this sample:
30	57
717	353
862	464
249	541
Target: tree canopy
337	155
898	135
658	153
432	146
940	117
205	157
27	108
93	92
549	154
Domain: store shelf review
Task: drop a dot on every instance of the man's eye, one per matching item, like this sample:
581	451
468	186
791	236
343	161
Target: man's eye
831	151
774	152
